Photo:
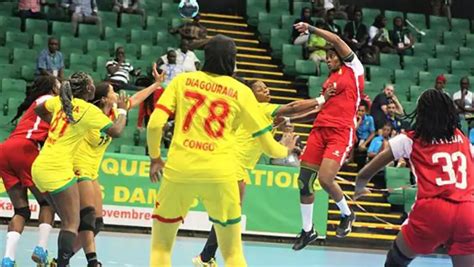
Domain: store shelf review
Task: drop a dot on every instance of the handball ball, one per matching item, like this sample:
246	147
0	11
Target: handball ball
188	8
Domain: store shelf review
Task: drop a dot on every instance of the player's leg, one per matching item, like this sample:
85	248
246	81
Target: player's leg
99	220
18	197
67	206
163	235
463	260
45	218
400	254
222	202
462	248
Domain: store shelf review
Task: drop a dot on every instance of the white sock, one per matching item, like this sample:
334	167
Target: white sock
43	232
343	207
12	243
307	216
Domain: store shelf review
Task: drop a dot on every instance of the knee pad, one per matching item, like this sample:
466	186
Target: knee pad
87	219
395	257
23	212
99	225
306	181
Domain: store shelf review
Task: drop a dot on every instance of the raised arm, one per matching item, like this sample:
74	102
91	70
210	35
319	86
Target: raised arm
341	47
140	96
119	124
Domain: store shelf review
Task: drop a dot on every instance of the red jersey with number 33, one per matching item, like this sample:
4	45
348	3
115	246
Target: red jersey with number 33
30	125
340	110
442	169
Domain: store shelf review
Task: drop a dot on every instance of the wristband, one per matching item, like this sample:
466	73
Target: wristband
321	100
122	111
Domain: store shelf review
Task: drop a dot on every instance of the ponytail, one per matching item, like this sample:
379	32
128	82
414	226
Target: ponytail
65	95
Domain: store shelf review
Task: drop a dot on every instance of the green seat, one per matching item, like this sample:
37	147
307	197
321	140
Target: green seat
142	37
176	22
391	14
437	65
116	34
28	72
315	85
299	5
370	14
154	52
409	197
460	25
380	73
390	60
169	10
200	55
6	8
13	88
469	40
269	18
277	47
419	20
96	76
279	7
460	67
101	61
131	21
166	40
143	64
40	41
62	29
287	21
453	38
87	31
105	4
79	61
426	79
264	29
290	54
409	107
24	56
71	45
305	68
12	104
437	22
57	14
18	39
131	50
423	50
403	80
36	26
134	150
433	36
10	24
466	53
445	52
5	55
156	24
397	178
415	92
109	19
152	6
253	8
10	71
97	48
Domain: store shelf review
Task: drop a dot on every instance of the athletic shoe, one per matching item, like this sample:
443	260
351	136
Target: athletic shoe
197	261
7	262
305	238
345	225
40	256
96	264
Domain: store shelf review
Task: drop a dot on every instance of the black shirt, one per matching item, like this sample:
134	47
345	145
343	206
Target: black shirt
356	31
376	110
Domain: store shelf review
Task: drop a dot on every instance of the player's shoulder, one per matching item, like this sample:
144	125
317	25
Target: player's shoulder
40	100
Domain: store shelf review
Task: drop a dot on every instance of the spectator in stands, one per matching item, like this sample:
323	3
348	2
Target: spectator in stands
83	11
317	46
194	32
365	126
330	25
401	37
393	118
297	38
464	100
335	5
50	61
379	105
171	68
184	57
29	9
129	7
440	83
380	142
379	38
356	33
119	71
293	159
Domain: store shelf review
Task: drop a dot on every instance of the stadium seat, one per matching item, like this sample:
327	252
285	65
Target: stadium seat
200	56
176	22
147	51
460	67
6	8
469	42
101	61
28	72
5	55
168	10
391	14
131	21
13	88
369	15
380	73
12	103
287	21
277	47
10	71
305	68
453	39
109	19
415	92
417	19
445	52
432	36
70	45
397	178
97	47
460	25
87	31
253	8
62	29
142	37
299	5
36	26
264	29
10	24
79	61
426	79
403	79
437	65
18	39
279	7
466	53
166	40
423	50
152	6
269	18
290	54
23	56
409	197
134	150
315	84
116	34
437	22
40	41
390	60
154	23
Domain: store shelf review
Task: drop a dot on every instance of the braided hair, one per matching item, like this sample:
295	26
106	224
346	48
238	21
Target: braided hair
435	117
101	90
43	85
76	86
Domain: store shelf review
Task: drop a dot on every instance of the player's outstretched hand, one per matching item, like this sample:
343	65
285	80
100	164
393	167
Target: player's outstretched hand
159	78
289	140
122	101
156	169
361	192
302	27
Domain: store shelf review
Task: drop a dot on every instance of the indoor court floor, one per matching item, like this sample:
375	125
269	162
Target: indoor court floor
115	249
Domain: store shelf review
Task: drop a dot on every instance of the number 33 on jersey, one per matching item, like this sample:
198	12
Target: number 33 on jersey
207	110
443	169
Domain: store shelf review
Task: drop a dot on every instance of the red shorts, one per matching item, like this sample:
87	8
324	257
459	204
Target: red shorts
435	222
16	157
328	142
